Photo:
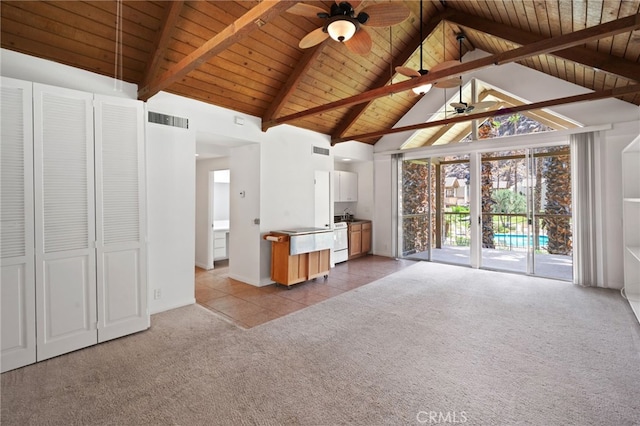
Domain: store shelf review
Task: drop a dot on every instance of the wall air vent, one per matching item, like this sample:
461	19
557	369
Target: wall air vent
168	120
321	151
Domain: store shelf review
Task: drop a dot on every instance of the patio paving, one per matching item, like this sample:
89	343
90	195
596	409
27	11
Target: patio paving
546	265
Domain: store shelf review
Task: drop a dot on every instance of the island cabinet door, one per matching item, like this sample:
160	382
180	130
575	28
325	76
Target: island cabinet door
319	263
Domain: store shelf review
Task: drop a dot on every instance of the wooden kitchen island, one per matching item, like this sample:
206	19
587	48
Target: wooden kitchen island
300	255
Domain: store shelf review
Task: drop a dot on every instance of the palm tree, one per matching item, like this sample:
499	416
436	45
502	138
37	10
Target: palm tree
557	173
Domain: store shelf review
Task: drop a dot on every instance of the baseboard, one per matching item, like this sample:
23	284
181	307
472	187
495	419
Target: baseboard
203	266
635	307
248	281
165	308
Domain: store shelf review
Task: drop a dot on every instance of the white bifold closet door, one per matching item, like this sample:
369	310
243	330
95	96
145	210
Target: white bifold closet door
120	217
17	274
64	220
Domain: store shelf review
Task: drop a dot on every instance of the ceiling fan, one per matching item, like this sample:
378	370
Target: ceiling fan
442	84
463	107
345	26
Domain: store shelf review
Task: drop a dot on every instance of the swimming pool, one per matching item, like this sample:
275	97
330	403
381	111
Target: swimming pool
518	240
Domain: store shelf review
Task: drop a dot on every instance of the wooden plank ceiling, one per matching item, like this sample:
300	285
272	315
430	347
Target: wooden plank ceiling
244	55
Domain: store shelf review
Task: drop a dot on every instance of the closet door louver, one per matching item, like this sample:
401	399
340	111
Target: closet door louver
17	278
120	213
64	220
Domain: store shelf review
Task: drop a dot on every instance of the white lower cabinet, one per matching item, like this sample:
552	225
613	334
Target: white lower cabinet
74	271
220	245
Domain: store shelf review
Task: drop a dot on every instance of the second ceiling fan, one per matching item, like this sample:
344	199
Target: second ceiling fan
442	84
345	26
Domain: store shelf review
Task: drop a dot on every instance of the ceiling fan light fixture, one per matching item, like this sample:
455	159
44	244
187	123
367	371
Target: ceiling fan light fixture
341	28
423	88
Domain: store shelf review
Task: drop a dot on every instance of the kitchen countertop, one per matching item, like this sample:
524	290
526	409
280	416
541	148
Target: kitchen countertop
302	231
352	221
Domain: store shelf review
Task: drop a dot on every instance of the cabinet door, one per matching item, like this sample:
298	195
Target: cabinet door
355	240
64	220
349	186
17	273
120	218
337	195
366	237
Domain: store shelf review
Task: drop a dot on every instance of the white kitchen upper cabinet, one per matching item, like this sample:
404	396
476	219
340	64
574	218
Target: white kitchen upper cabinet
64	220
345	186
120	217
17	268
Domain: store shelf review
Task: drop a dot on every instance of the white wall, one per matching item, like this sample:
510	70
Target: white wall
171	204
280	185
202	221
287	183
244	234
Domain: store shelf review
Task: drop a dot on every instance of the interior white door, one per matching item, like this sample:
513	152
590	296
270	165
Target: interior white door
322	199
120	217
17	269
64	220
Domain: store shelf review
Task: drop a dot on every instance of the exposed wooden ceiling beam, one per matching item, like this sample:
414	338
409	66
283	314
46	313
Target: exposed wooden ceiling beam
544	117
238	30
618	26
401	60
579	54
307	61
167	26
603	94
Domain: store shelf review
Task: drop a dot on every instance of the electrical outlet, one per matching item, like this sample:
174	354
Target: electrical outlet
157	294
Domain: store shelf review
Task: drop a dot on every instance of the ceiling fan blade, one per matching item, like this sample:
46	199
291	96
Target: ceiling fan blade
315	37
458	105
407	72
447	82
386	14
360	43
306	10
482	106
353	3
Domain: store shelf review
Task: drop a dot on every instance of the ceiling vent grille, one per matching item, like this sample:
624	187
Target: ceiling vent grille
321	151
168	120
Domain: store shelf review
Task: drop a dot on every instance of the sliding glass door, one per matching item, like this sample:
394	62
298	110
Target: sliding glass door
552	252
505	214
526	211
520	220
434	212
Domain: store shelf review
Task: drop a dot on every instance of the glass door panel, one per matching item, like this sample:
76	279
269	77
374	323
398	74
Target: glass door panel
452	233
506	239
416	215
552	255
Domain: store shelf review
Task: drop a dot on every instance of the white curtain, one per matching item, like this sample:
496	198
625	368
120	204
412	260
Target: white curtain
583	187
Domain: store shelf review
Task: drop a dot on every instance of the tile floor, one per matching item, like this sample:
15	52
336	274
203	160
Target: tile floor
248	306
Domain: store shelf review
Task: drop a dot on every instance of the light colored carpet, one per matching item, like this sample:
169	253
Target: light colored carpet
429	343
